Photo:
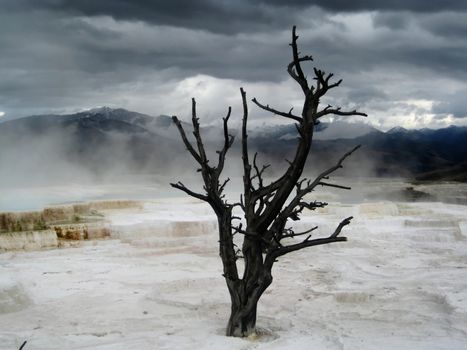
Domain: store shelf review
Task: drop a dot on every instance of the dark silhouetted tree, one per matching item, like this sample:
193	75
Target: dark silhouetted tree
267	207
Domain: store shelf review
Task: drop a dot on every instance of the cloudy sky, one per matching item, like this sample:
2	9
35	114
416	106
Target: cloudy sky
404	62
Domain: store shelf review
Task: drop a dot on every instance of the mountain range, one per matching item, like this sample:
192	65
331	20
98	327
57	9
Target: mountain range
107	141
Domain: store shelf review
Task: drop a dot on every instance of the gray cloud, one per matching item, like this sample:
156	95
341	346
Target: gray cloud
62	55
454	105
451	25
230	16
389	5
392	20
365	94
218	16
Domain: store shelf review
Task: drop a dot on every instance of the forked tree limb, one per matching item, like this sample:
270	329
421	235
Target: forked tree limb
330	170
197	133
333	238
187	143
296	205
299	76
275	111
183	188
341	225
291	66
210	174
291	234
228	141
322	82
259	172
337	111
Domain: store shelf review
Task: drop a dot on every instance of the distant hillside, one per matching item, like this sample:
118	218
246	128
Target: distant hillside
105	141
98	142
398	152
456	172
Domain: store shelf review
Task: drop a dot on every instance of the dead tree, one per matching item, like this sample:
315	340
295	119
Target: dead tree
268	208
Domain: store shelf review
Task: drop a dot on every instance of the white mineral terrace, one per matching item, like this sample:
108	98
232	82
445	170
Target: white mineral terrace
400	282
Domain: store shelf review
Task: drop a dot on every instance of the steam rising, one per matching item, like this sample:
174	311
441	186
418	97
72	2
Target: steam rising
114	153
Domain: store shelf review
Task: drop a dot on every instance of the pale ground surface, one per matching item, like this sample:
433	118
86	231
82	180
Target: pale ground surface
399	283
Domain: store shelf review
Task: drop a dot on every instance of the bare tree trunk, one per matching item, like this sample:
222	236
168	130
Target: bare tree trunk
246	293
244	303
242	321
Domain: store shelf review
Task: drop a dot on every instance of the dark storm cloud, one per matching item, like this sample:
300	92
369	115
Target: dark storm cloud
63	53
214	15
388	5
448	24
228	15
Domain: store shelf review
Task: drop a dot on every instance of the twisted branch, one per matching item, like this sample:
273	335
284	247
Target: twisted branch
275	111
